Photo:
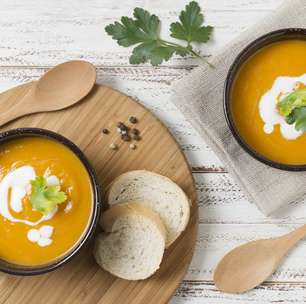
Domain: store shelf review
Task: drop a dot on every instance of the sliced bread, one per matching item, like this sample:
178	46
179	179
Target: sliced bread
156	192
134	245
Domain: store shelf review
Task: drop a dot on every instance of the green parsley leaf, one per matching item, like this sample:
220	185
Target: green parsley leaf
190	28
147	23
298	117
143	33
45	198
292	101
153	52
290	119
293	108
130	32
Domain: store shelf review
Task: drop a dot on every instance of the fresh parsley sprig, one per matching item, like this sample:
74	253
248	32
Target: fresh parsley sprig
143	33
44	198
293	108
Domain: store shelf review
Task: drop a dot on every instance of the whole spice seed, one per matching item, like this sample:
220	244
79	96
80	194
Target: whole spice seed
124	127
133	119
113	146
132	146
105	131
120	124
135	131
125	137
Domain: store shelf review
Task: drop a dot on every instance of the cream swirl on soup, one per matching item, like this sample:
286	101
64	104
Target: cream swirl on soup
281	87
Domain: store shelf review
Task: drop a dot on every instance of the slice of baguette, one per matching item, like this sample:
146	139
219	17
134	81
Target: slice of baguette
134	245
156	192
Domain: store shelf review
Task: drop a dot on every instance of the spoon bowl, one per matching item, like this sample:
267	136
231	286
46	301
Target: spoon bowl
65	84
249	270
248	265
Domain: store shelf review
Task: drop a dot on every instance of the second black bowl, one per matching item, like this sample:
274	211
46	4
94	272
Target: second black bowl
244	55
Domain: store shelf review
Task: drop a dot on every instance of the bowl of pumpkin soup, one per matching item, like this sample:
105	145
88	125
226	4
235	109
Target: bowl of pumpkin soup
265	99
49	201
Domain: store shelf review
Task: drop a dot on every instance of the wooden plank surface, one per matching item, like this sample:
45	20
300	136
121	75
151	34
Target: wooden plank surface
36	36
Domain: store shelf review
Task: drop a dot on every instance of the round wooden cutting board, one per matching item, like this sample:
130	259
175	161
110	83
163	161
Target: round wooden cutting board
81	280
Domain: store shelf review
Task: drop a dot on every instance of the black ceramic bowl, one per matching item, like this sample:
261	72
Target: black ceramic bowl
33	270
283	34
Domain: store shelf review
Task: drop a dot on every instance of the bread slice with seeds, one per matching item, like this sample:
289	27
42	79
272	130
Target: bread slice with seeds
133	244
157	192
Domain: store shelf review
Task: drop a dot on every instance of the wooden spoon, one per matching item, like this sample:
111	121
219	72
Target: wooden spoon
249	265
59	88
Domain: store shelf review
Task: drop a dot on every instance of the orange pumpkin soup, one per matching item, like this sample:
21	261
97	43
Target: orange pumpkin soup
33	233
272	72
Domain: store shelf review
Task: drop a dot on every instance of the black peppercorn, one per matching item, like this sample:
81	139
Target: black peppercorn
133	119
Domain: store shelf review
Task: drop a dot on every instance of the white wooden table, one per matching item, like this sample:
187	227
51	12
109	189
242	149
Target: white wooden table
36	35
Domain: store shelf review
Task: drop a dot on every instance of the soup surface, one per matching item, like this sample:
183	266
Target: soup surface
29	237
270	71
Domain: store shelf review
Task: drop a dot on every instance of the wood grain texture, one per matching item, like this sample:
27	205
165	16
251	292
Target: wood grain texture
156	151
36	36
268	293
47	34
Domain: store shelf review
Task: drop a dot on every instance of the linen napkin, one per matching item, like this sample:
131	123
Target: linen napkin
199	96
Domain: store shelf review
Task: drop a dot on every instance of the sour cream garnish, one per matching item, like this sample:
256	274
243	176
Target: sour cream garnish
282	86
18	182
41	236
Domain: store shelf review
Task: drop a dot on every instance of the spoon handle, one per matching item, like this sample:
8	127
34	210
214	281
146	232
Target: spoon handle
14	103
289	240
